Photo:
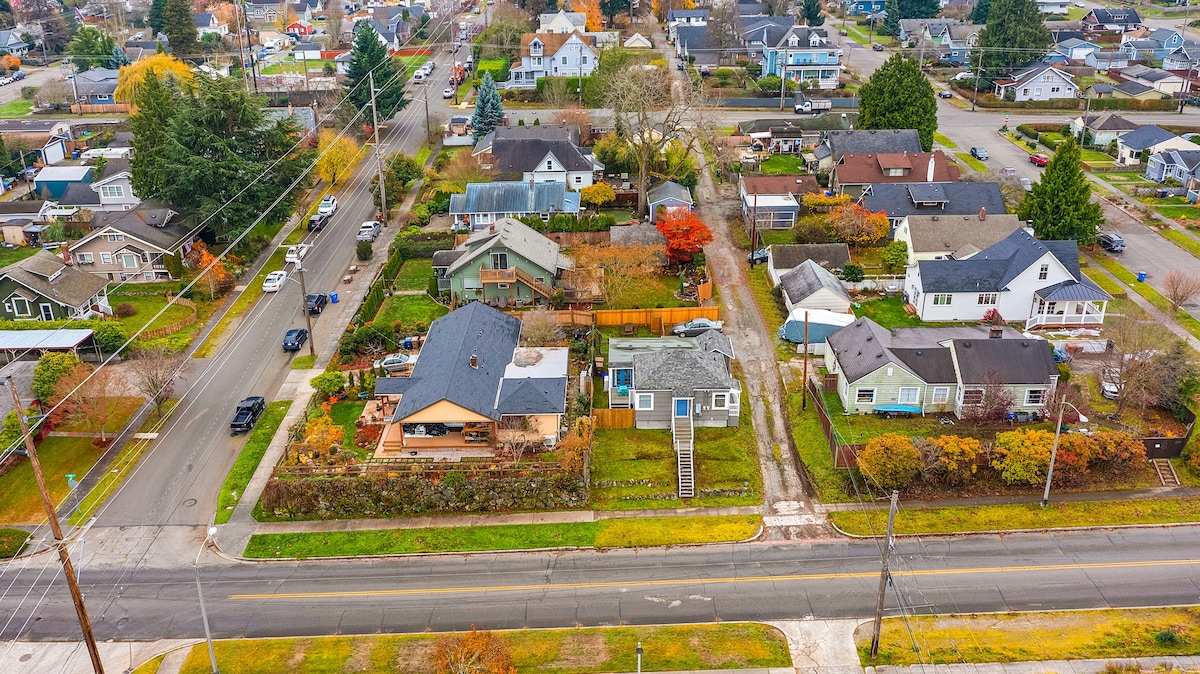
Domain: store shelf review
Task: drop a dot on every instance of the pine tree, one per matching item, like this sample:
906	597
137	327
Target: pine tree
812	13
1059	206
1015	35
87	47
155	19
899	97
489	111
891	22
979	13
181	29
368	57
118	57
919	9
155	106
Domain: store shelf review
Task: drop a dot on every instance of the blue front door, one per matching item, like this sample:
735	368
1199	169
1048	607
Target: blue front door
682	407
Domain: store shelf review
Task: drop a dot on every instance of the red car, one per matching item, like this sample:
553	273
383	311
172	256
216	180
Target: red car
1039	159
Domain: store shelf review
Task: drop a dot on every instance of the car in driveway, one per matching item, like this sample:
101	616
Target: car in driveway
274	281
1039	159
296	253
979	153
368	231
696	326
317	222
757	257
328	205
1111	242
1110	389
315	303
447	93
396	362
294	339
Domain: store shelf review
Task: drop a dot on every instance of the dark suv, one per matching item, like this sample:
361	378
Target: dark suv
317	222
1112	243
315	303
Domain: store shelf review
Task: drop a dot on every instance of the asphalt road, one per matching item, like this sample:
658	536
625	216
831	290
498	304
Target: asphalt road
825	579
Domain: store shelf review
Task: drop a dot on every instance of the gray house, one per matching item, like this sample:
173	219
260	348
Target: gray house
1040	83
836	144
668	195
782	258
1180	165
485	203
900	200
809	286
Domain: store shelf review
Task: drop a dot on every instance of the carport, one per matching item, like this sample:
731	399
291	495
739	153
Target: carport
17	343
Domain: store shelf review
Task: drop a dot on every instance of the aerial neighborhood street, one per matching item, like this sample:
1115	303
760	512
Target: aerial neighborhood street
597	336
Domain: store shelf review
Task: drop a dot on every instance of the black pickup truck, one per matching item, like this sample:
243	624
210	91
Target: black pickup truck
246	414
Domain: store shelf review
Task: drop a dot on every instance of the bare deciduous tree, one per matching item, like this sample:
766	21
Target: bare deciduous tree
333	24
624	266
88	397
539	328
154	371
1131	363
573	115
1180	287
990	400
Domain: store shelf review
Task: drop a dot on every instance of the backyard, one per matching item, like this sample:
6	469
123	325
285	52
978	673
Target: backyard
655	293
782	164
16	254
409	310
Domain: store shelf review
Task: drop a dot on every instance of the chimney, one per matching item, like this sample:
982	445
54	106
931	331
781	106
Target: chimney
982	213
474	361
66	254
492	228
929	173
996	332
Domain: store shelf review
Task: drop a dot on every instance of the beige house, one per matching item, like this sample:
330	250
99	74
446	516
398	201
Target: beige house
135	246
957	237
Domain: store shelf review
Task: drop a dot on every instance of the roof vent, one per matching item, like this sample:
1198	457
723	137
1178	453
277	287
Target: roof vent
920	353
475	361
966	345
869	338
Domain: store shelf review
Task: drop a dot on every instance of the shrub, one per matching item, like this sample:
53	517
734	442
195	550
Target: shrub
891	461
1075	452
51	367
1027	131
952	458
125	310
1118	452
852	272
1022	456
363	250
329	383
28	93
895	255
1167	638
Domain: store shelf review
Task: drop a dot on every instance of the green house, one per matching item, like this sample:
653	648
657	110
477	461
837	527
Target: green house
45	288
507	264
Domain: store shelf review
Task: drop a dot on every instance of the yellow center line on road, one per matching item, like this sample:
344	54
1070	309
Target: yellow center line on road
693	581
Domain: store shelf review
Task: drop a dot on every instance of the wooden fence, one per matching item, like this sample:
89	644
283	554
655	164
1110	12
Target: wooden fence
177	325
656	319
569	239
96	109
622	418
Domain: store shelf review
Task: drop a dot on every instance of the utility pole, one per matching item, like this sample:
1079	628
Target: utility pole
74	86
978	73
782	80
579	63
804	387
884	575
378	157
312	351
63	556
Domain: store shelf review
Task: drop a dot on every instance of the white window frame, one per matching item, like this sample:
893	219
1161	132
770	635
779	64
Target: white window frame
941	395
860	395
720	400
986	299
106	258
1040	395
916	395
116	237
85	257
112	191
1043	272
17	312
129	261
973	392
942	299
643	402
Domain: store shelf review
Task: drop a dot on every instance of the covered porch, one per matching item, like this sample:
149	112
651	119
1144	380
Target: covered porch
1068	305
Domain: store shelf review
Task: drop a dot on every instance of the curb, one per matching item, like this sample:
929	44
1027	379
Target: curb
1001	532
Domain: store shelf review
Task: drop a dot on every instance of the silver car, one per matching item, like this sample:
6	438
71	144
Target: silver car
396	362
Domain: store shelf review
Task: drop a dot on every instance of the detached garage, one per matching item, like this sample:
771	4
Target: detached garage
56	179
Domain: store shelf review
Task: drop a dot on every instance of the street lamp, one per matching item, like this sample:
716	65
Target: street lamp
1054	451
212	657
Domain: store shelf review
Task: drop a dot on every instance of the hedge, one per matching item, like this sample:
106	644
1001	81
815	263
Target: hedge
421	246
1163	105
570	223
1025	130
592	96
498	67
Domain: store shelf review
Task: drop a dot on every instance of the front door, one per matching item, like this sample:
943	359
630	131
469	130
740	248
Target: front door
47	312
683	407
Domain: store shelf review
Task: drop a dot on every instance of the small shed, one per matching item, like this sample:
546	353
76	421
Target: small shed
30	344
668	195
809	286
637	41
55	179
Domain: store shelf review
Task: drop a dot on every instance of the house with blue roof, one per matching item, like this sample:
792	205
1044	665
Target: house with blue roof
1020	277
484	204
1153	47
803	54
1179	165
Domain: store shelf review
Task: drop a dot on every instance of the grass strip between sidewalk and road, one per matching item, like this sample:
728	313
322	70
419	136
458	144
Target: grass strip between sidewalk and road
248	459
729	645
944	141
1183	240
959	519
974	163
1106	283
303	362
252	292
1033	636
12	542
1184	319
615	533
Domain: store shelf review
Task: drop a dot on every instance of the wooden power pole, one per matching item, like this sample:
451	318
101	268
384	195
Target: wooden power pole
63	556
884	574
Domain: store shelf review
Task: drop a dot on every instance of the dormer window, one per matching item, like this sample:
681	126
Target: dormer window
793	41
535	48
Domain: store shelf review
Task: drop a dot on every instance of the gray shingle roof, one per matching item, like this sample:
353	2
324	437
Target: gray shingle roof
642	232
533	396
112	167
1099	88
873	141
932	365
445	258
1108	121
444	372
667	190
807	278
1116	16
1004	361
865	346
682	372
79	194
812	123
514	157
1131	88
1147	136
149	222
511	235
96	82
792	255
71	287
945	234
897	199
699	43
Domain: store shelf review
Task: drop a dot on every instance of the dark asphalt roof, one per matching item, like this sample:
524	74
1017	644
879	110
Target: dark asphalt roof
791	255
802	281
873	141
993	268
1146	136
961	198
1004	361
533	396
682	371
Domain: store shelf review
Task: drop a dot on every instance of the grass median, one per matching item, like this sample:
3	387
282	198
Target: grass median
617	533
12	542
958	519
1183	240
252	292
249	458
580	651
1020	637
974	163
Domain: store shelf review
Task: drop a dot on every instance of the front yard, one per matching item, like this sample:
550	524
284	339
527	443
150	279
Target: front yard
409	310
22	504
414	275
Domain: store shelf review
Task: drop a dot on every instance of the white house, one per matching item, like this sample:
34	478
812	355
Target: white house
952	237
110	191
1104	127
538	154
1053	7
206	23
684	17
1039	83
1156	78
1149	139
561	22
554	55
810	286
1021	278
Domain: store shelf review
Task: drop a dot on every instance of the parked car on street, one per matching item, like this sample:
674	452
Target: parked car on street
1111	242
295	253
1039	159
696	326
447	93
368	231
315	302
979	153
396	362
246	414
1027	184
274	281
876	47
328	205
317	222
945	94
294	339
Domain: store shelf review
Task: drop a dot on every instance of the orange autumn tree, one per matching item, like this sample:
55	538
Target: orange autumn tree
685	233
214	277
857	225
591	9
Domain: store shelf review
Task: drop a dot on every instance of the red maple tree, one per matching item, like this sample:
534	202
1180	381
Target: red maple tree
686	234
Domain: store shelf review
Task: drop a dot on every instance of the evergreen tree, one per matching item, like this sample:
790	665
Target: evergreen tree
899	97
919	9
891	22
155	18
812	13
1015	35
979	13
118	57
181	29
489	111
369	56
1059	206
155	107
90	48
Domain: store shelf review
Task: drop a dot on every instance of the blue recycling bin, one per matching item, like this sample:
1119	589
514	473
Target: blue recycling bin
1141	277
333	297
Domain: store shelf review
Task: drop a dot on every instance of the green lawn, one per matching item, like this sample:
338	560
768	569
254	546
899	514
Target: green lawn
655	293
727	645
412	63
944	141
782	164
1106	283
1183	240
12	542
344	414
147	307
773	313
248	459
1184	319
10	255
1181	213
409	310
857	34
1092	156
773	237
972	162
22	504
414	275
303	362
17	108
888	312
814	452
639	467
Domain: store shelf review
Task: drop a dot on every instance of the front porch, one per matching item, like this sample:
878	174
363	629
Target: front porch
437	440
1068	314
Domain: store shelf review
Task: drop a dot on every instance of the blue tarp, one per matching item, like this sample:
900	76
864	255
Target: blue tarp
821	324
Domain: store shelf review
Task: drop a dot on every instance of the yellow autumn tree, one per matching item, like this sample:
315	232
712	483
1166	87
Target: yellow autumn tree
335	155
591	8
163	65
661	7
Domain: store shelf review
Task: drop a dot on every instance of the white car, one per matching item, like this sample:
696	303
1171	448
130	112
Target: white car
296	253
1079	4
396	362
274	281
328	205
447	93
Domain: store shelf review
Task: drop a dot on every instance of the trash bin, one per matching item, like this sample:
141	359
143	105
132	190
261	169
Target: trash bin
1141	277
75	154
333	297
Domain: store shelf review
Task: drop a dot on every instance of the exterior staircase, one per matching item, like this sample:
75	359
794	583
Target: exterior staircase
537	286
683	437
1166	472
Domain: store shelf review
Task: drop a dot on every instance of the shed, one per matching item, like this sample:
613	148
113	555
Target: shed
669	194
17	343
809	286
55	179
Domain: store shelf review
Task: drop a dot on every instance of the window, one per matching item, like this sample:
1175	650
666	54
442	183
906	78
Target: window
20	306
116	237
130	261
1035	396
864	395
942	299
549	164
564	60
1043	272
720	401
1037	91
106	258
583	60
941	395
112	191
1054	90
537	62
973	396
909	395
645	401
149	275
578	180
1025	92
986	298
499	260
84	258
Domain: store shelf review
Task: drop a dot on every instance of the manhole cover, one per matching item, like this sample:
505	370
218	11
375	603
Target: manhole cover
26	658
189	503
122	624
